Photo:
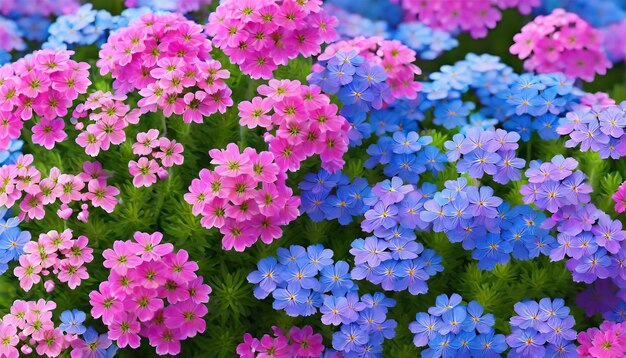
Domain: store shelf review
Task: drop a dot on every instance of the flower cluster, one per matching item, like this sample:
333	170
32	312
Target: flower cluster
12	239
245	196
300	122
481	221
29	324
599	128
10	39
395	58
42	7
555	184
561	42
608	340
328	196
23	178
351	25
45	83
544	98
453	329
485	76
84	27
300	343
392	257
54	252
303	281
614	43
261	35
475	17
144	275
175	74
179	6
359	84
487	152
156	154
541	329
104	116
427	42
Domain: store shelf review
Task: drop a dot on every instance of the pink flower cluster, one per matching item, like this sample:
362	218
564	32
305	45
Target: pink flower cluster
246	197
475	16
305	124
30	323
614	42
301	343
607	341
166	58
144	274
561	42
55	253
44	83
153	150
392	55
40	7
109	115
260	35
180	6
88	186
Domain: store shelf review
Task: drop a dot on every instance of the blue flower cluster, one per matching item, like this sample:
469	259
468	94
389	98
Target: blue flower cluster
427	42
490	152
542	329
354	25
537	101
599	128
597	13
10	154
12	239
303	281
10	39
392	257
359	84
406	155
453	329
328	196
88	26
484	75
481	221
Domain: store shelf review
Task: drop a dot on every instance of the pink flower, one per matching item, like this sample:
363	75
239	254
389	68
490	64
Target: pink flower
79	252
51	343
8	341
143	303
143	171
170	152
196	107
166	340
91	171
149	246
254	113
187	317
72	274
248	348
146	142
198	292
48	132
180	269
122	257
125	330
105	303
27	272
305	342
619	197
102	195
230	162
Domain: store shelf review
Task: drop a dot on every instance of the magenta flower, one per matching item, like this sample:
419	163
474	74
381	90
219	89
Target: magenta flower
149	246
187	317
48	132
124	329
122	257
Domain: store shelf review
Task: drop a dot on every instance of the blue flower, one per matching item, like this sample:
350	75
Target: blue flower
12	241
444	303
72	322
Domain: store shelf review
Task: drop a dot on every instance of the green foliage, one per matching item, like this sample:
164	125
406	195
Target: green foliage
233	310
